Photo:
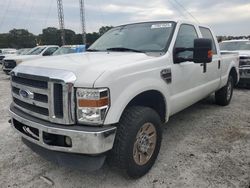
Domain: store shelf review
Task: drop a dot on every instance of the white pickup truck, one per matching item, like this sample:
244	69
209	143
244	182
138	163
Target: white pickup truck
112	101
7	52
243	48
10	63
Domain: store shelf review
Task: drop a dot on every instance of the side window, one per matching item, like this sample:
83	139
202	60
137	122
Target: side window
50	51
185	39
206	33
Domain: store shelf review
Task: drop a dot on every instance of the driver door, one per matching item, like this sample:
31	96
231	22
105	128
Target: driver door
187	77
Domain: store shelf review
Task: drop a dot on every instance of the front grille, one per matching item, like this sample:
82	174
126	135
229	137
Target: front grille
244	57
29	82
41	98
37	96
10	64
58	100
244	60
33	108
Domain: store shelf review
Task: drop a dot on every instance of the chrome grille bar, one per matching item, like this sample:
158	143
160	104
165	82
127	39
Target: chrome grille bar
32	113
32	89
31	101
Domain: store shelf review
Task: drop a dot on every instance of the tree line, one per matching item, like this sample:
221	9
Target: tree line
22	38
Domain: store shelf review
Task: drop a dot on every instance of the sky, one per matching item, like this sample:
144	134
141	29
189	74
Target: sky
226	17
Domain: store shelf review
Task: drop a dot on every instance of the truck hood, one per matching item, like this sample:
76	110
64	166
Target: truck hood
89	66
241	52
244	52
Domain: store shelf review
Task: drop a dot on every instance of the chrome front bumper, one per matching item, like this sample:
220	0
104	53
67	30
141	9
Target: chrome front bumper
85	140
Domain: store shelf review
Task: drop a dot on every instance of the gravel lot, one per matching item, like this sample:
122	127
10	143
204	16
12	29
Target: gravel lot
203	146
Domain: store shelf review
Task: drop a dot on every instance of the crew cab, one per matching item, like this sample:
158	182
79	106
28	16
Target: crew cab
10	62
243	48
110	103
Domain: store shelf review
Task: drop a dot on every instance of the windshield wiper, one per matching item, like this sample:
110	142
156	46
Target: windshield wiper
92	50
121	49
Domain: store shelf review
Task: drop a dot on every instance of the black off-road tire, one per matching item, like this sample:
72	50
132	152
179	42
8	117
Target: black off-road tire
224	95
121	155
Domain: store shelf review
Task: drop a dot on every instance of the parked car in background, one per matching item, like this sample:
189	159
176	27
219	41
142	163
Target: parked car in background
35	53
6	52
113	100
69	49
243	48
23	51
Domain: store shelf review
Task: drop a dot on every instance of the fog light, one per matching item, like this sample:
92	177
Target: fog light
68	141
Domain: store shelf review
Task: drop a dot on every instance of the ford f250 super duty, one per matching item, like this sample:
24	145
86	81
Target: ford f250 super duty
110	103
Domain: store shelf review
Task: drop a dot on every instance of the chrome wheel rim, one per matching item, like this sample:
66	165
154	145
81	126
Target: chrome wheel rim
145	143
229	90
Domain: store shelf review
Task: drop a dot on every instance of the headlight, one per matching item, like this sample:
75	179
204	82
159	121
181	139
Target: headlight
92	105
18	61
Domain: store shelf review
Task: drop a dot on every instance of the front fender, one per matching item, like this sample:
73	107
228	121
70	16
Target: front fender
121	97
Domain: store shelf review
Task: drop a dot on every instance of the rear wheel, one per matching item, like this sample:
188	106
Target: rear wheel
137	142
224	95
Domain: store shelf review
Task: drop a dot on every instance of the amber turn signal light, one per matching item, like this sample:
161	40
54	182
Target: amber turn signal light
93	103
210	54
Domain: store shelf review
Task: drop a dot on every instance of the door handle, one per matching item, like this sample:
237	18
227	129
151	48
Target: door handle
219	64
204	65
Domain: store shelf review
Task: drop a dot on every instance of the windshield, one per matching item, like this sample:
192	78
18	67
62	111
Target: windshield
235	46
36	51
145	37
64	50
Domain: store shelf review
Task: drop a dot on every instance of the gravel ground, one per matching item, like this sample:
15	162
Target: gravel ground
203	146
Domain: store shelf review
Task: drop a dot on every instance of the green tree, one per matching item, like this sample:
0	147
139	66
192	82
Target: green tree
92	37
78	39
69	36
4	40
51	35
21	38
104	29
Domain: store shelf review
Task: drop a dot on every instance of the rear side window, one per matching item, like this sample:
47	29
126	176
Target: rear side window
206	33
185	39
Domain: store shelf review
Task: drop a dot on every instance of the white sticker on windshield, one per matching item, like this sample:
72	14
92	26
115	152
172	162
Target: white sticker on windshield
163	25
248	43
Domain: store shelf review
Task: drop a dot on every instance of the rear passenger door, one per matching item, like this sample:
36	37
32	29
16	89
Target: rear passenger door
212	74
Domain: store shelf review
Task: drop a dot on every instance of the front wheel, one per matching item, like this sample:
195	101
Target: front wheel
224	95
137	142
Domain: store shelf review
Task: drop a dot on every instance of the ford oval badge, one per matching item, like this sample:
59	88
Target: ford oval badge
24	93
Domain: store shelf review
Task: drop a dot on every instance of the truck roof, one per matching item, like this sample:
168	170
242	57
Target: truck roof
173	20
236	40
47	46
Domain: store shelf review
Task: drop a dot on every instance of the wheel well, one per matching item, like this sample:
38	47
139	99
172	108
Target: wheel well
234	74
153	99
